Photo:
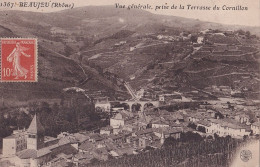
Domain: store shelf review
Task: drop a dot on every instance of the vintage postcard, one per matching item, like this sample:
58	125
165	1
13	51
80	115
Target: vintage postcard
129	83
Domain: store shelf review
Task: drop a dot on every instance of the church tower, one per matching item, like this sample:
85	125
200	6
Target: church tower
35	134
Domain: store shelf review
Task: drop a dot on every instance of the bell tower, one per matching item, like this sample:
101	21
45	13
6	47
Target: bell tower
35	134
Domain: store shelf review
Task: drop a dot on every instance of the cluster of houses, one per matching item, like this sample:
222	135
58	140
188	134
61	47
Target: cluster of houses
131	132
128	133
124	136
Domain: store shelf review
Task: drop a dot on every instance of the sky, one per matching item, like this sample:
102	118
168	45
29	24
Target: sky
250	17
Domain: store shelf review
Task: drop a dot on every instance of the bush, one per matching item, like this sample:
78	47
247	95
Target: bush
192	125
202	129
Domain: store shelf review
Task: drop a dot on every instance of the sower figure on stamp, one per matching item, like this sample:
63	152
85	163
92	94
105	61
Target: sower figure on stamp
18	70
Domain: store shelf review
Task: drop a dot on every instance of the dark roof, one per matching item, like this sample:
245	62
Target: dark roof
36	126
31	153
161	122
96	137
81	156
145	131
28	153
87	146
115	137
167	131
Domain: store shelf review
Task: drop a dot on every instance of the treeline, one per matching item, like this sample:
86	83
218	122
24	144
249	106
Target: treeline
191	150
55	118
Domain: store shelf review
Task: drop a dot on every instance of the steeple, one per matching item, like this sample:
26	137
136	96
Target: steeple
35	134
36	126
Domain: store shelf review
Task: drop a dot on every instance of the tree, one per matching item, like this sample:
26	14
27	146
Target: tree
170	141
202	129
194	38
94	161
248	34
68	50
23	120
45	107
209	137
189	136
192	125
216	136
219	115
245	137
228	138
55	108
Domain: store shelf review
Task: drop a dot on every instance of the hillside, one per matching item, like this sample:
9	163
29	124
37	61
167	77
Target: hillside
86	48
55	72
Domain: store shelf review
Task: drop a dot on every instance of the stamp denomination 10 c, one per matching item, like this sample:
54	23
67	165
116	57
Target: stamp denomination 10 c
19	60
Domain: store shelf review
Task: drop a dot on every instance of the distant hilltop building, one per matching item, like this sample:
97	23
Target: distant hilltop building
57	30
28	148
200	40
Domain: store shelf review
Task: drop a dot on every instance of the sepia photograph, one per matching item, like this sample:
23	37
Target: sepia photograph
129	83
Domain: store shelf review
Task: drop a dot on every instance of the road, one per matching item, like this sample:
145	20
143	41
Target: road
131	91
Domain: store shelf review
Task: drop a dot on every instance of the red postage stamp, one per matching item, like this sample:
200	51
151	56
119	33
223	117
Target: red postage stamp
18	60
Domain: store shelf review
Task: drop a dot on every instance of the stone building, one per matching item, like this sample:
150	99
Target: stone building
29	149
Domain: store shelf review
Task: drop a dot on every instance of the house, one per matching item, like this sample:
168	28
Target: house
206	31
133	140
118	120
144	142
255	127
104	106
161	98
128	150
61	161
194	117
117	138
120	43
176	117
117	130
74	138
81	158
242	118
228	127
212	113
15	143
200	39
81	137
168	132
144	132
106	130
57	31
95	137
130	127
203	126
160	124
222	128
86	146
100	154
